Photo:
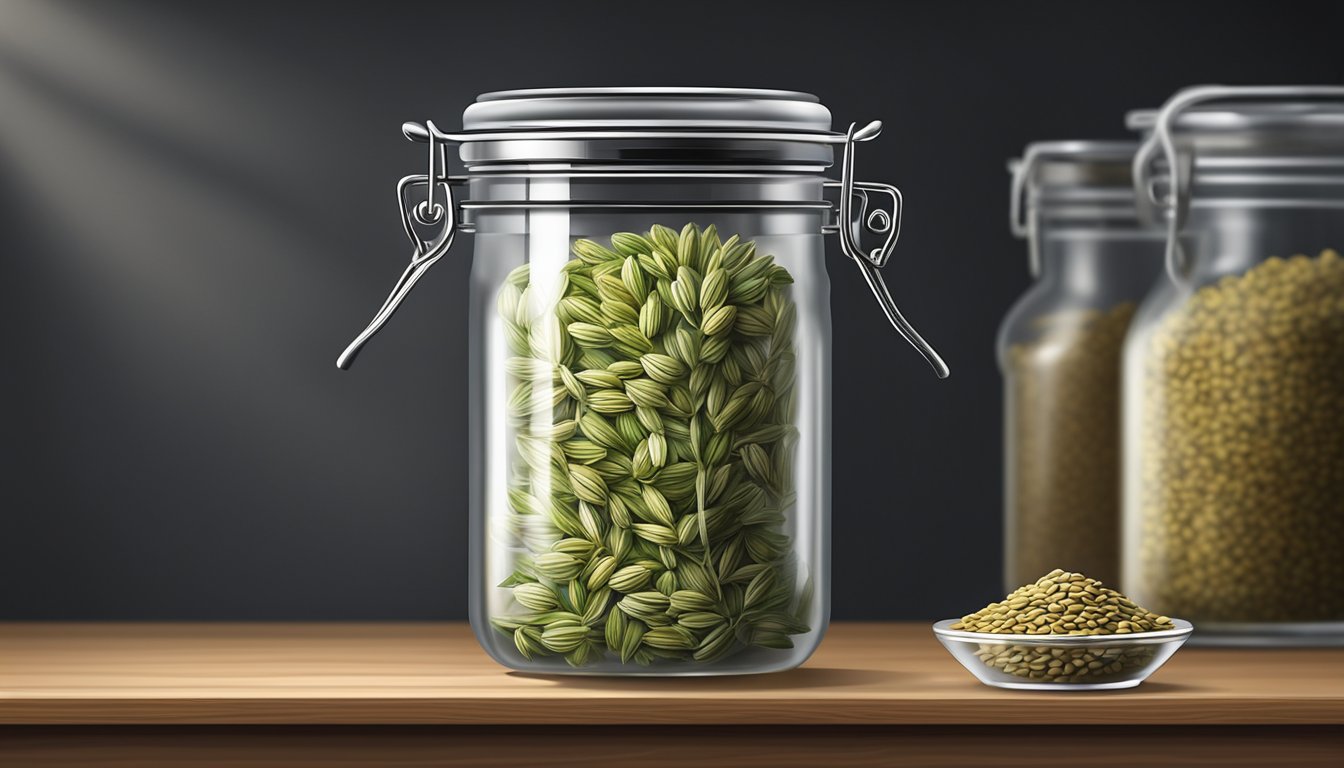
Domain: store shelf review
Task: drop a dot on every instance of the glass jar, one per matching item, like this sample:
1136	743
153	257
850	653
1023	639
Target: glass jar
1234	369
649	369
1059	350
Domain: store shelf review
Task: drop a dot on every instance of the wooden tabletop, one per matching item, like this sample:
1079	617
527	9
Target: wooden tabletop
378	674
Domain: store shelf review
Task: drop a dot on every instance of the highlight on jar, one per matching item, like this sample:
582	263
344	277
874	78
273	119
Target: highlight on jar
650	366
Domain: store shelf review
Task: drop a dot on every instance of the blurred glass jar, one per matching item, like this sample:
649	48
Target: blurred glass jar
650	369
1234	370
1059	350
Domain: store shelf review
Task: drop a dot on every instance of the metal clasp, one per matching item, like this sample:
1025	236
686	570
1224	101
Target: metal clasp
851	225
1175	203
1032	193
427	213
1020	223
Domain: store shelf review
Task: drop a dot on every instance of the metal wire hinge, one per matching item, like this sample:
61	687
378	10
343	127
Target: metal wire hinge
425	250
443	215
1168	199
851	225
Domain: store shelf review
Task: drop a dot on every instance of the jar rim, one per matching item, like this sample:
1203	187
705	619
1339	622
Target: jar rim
755	93
1073	164
643	108
1244	116
1077	180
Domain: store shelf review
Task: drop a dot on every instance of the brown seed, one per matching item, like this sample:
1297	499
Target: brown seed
1238	403
1062	393
1073	617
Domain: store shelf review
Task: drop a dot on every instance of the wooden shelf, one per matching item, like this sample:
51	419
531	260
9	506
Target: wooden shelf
864	675
153	674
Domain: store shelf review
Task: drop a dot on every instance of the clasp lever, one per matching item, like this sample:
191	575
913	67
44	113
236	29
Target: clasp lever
877	221
426	250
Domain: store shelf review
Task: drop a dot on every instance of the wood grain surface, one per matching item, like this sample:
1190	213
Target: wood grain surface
935	746
435	674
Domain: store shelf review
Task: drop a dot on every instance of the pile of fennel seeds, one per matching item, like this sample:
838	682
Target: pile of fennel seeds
652	403
1064	603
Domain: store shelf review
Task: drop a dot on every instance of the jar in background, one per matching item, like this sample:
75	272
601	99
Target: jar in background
1059	350
1234	370
650	365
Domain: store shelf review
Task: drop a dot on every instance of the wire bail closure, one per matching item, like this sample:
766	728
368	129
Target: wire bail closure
429	212
851	223
425	250
877	221
1174	205
1018	221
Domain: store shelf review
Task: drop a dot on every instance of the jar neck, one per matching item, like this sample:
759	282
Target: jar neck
1225	240
1118	264
567	185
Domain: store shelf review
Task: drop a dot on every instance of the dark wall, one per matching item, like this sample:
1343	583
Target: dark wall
196	214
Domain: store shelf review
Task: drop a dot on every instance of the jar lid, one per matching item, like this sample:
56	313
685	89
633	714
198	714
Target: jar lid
1082	180
1250	145
609	133
648	126
1254	129
752	109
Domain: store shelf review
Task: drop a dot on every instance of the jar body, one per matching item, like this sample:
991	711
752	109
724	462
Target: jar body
650	473
1234	434
1059	350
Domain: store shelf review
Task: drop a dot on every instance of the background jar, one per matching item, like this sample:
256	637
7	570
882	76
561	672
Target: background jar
1059	349
1234	391
650	369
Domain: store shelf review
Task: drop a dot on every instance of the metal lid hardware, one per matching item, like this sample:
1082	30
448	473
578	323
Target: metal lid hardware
880	222
1164	172
1087	180
577	135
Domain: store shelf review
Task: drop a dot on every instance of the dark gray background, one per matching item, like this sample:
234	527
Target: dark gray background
196	214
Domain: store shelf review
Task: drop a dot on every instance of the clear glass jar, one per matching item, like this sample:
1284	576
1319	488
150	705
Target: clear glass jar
650	370
1059	349
1234	369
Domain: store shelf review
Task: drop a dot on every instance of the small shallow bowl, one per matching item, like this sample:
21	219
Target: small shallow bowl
1062	662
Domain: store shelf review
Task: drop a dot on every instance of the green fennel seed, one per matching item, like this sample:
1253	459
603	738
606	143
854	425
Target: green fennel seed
651	396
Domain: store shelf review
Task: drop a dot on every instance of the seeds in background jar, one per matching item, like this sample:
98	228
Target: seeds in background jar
1240	514
1063	404
653	404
